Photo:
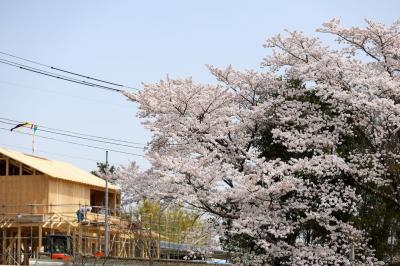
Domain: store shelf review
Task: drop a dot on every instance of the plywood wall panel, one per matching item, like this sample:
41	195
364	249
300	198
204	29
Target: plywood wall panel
67	196
16	192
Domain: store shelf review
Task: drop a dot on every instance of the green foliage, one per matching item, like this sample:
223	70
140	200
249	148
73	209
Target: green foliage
381	220
239	243
377	215
103	169
176	224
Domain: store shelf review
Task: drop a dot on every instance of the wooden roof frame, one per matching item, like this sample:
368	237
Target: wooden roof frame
55	169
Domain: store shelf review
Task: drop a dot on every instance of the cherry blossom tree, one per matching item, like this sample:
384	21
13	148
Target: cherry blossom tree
284	155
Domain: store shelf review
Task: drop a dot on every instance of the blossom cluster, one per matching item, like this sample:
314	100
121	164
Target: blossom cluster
281	152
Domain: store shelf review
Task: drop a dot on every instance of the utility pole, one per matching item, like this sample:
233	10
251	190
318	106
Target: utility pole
106	211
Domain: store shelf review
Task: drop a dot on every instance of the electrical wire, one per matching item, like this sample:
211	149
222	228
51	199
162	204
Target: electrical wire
47	152
67	71
72	136
76	133
8	85
55	75
27	60
76	143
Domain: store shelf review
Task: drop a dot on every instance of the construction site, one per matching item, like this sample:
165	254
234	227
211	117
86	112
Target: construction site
52	210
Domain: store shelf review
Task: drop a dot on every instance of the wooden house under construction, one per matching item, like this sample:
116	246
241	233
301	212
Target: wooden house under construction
40	198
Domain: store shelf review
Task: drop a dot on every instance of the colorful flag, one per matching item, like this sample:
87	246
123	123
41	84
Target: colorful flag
26	124
33	128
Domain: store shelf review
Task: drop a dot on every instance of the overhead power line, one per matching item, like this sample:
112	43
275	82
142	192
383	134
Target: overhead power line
67	71
84	138
76	143
56	92
52	153
75	133
27	60
55	75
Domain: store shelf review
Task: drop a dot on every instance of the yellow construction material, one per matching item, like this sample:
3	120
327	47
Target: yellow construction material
35	185
57	169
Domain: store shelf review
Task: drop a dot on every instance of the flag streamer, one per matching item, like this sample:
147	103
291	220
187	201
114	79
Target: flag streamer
33	129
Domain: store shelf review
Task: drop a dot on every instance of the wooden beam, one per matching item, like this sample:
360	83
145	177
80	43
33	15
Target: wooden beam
121	245
26	257
12	241
6	222
74	242
4	244
49	220
115	204
98	244
7	167
111	243
87	241
130	255
63	218
128	247
158	248
132	241
118	246
39	240
80	240
9	249
19	245
142	255
134	246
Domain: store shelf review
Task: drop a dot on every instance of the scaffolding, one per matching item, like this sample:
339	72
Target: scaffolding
23	235
40	198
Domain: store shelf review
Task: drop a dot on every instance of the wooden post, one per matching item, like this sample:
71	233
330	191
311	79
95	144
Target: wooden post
118	247
150	245
130	248
143	248
74	242
115	245
98	245
115	204
11	248
134	248
80	240
110	244
39	246
7	167
84	242
4	244
19	245
158	237
131	243
26	257
88	249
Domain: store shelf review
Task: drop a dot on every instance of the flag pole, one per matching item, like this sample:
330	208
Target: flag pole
33	141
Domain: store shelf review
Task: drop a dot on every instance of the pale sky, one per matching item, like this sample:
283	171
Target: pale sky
133	42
